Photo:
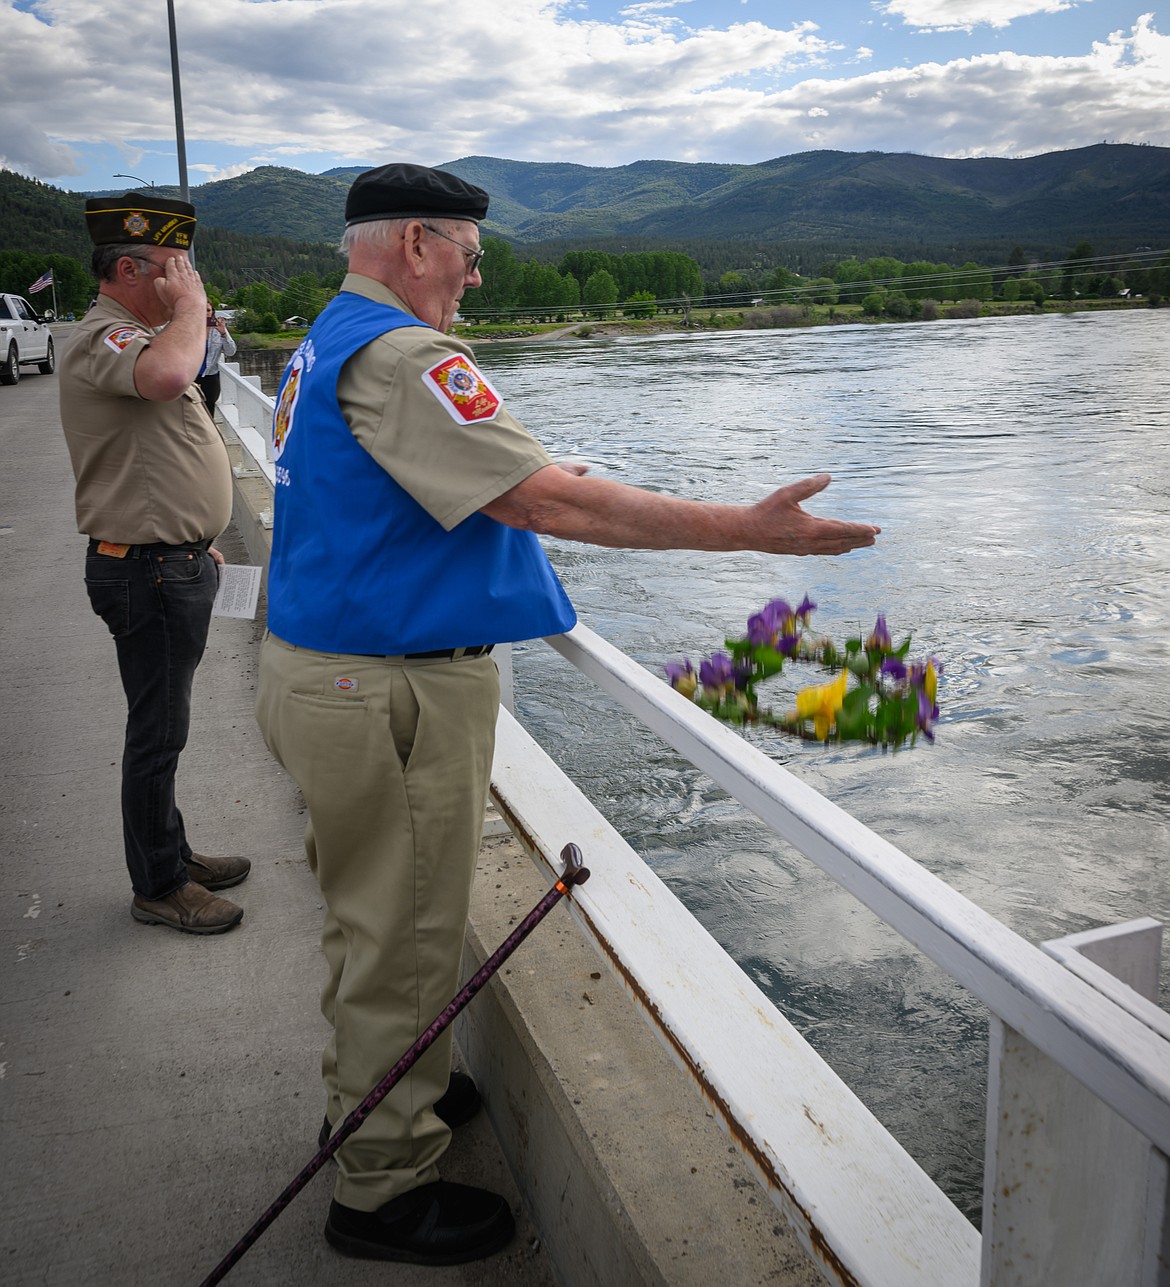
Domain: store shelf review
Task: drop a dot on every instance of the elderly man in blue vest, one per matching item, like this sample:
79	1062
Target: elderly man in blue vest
408	500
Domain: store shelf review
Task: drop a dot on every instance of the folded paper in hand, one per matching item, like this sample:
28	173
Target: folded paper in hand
239	589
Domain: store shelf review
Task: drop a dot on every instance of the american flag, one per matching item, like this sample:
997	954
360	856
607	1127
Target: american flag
45	279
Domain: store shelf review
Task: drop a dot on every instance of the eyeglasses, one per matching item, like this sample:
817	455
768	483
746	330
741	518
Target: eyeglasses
473	256
144	264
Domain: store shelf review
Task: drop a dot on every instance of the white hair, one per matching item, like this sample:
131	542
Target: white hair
378	233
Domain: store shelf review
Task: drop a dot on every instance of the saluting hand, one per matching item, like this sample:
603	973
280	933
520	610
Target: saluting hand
179	282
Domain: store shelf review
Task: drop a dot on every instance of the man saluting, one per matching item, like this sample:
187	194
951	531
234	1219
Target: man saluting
154	489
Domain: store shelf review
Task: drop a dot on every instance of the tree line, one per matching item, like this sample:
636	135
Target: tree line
590	280
600	284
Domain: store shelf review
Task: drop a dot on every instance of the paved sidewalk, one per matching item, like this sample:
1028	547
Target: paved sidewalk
157	1090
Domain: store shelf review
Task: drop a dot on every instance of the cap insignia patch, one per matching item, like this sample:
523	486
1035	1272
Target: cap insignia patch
136	224
463	390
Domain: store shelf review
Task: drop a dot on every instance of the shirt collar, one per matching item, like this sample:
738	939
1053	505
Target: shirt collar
367	287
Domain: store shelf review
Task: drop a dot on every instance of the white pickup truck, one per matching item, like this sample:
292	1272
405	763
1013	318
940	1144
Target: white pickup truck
24	340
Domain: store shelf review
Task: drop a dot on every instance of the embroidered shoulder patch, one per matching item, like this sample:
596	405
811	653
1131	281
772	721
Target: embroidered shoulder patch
463	390
120	338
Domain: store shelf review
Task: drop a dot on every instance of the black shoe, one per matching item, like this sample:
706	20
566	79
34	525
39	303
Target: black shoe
438	1224
458	1104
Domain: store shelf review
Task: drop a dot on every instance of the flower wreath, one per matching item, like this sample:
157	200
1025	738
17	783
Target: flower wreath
891	699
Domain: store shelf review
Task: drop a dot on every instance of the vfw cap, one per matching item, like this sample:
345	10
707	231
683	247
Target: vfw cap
153	221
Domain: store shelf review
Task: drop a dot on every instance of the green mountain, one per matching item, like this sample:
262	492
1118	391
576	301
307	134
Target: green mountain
806	207
1116	196
39	220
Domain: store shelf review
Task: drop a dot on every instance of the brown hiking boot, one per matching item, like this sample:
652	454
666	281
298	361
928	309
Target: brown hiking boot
217	873
190	909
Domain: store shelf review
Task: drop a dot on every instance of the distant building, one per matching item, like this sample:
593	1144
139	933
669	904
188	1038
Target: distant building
295	323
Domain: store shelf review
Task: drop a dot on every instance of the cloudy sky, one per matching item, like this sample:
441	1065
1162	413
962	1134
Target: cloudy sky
86	91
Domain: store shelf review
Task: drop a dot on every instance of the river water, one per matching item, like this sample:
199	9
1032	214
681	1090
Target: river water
1020	471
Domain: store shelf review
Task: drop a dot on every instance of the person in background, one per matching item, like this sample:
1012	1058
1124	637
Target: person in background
154	489
219	345
408	499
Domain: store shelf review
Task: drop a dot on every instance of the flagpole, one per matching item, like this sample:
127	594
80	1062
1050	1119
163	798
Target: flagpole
180	140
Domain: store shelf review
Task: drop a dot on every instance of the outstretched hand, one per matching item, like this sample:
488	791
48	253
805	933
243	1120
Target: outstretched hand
780	526
566	503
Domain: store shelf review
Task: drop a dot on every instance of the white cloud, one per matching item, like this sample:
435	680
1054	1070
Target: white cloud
214	173
966	15
651	6
26	149
1001	104
277	80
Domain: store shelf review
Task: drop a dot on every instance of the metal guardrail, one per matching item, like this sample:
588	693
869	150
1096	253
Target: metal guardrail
864	1209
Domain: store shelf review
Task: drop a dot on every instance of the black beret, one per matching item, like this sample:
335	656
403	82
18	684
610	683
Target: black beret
403	191
153	221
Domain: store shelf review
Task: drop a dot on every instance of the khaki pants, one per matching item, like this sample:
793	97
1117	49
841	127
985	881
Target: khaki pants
393	758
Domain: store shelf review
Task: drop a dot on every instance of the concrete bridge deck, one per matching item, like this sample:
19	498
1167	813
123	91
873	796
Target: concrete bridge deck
158	1090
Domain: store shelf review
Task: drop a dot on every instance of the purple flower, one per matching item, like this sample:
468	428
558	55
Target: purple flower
880	638
681	675
717	672
926	715
805	609
759	629
924	676
766	625
788	644
893	667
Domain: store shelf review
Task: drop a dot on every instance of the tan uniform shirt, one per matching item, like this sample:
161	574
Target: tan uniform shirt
146	471
449	466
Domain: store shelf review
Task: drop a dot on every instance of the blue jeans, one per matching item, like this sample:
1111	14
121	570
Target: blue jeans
157	604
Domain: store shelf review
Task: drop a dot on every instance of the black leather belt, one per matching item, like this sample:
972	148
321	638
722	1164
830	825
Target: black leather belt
476	650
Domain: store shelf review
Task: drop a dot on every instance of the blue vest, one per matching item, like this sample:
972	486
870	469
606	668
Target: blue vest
357	564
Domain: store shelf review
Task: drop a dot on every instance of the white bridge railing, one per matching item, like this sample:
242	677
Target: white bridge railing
1076	1188
248	409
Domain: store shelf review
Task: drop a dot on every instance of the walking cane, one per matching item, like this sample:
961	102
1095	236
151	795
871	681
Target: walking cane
573	874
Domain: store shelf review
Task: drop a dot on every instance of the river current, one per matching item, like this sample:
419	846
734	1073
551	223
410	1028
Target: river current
1020	471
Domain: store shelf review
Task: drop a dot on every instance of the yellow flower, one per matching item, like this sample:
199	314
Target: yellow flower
930	683
821	703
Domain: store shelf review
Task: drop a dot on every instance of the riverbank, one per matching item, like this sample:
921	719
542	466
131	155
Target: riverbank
773	317
779	317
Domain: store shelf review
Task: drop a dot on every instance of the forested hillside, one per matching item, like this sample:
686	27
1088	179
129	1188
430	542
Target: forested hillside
816	205
662	229
42	227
